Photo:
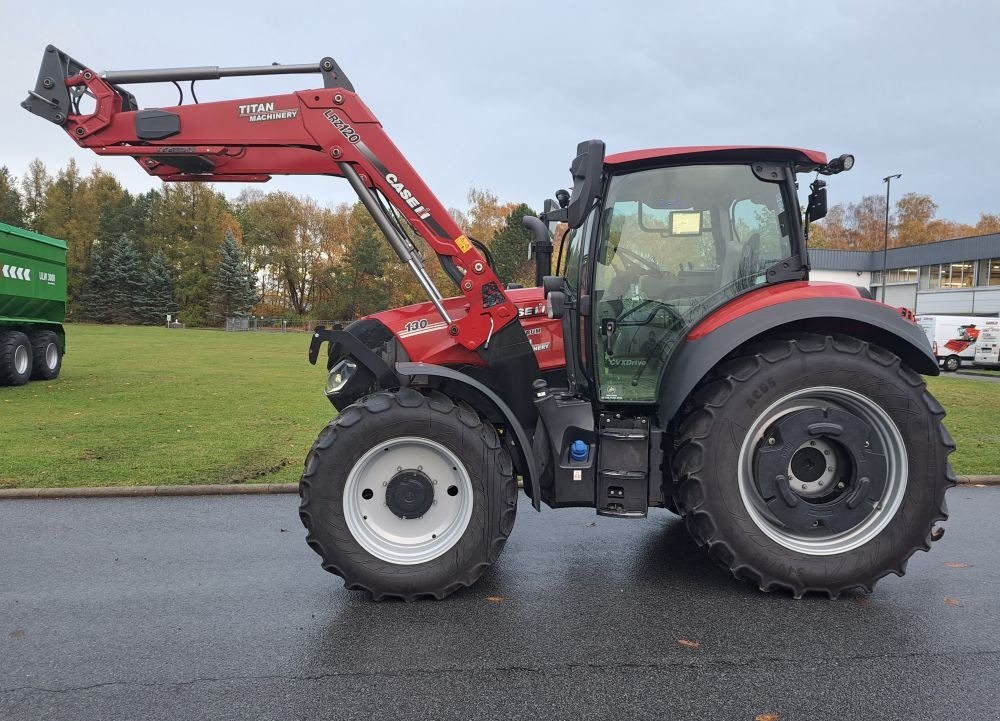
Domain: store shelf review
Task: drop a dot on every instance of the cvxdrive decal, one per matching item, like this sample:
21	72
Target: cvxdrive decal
260	112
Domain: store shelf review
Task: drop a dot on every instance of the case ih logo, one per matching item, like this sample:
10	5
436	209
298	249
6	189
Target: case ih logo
259	112
16	273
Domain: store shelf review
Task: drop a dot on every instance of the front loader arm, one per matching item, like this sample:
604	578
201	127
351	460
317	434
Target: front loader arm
327	131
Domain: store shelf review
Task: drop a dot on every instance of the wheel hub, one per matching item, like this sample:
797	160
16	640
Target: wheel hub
813	468
409	494
820	471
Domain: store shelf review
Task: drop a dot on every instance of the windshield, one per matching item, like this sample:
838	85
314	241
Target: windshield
674	244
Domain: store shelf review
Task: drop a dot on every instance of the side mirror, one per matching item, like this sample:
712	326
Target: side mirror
587	170
816	209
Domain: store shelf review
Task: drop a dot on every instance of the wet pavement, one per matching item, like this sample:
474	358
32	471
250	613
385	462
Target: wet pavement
214	607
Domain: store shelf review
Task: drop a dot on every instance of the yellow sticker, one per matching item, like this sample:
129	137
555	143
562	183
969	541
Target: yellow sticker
463	243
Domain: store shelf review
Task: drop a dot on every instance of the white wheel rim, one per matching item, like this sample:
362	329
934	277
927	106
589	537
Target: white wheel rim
21	360
51	356
827	544
407	541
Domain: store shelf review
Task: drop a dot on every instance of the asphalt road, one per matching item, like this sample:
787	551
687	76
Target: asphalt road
214	608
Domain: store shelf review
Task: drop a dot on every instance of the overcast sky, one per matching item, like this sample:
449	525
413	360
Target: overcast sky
496	95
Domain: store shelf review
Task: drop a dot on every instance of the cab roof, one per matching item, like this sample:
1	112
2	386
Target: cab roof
803	160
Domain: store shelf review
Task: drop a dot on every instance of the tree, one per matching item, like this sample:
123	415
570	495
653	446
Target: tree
34	186
360	277
11	211
116	285
234	284
189	222
157	298
510	248
486	215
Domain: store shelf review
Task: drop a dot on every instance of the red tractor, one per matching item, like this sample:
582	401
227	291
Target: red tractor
678	357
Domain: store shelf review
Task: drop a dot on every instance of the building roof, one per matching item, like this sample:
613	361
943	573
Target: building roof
942	251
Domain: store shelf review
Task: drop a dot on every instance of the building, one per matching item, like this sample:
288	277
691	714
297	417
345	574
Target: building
950	277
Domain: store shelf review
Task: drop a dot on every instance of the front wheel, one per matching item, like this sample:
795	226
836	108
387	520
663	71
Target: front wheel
407	494
817	463
952	363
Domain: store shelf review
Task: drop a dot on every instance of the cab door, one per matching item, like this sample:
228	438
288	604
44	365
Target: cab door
674	243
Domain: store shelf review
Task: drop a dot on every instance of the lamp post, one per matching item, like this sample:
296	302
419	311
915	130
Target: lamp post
885	245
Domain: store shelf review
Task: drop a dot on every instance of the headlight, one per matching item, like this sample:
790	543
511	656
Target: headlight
339	376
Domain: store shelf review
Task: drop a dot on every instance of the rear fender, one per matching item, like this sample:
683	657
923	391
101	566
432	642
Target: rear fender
865	319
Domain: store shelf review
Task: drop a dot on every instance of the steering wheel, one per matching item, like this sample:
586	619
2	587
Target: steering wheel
674	317
639	260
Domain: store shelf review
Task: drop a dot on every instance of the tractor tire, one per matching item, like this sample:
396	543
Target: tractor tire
408	495
15	358
46	355
754	478
952	363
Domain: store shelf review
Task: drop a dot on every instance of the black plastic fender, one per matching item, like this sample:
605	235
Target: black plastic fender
864	319
513	425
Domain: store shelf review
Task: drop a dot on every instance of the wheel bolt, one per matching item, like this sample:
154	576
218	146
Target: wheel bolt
868	444
840	485
771	441
821	483
826	453
830	469
812	443
803	486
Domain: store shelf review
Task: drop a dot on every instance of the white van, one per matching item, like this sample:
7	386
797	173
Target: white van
952	337
988	345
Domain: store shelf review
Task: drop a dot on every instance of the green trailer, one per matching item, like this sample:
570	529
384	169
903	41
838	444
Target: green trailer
32	305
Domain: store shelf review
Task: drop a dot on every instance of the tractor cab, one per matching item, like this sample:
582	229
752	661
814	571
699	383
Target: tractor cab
663	239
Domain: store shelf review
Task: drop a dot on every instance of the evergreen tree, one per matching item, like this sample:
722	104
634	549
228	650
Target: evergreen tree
115	286
157	299
510	248
234	284
11	211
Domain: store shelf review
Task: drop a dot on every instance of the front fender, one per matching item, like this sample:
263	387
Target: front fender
522	445
723	331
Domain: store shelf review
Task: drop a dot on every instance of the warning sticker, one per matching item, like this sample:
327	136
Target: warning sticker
463	243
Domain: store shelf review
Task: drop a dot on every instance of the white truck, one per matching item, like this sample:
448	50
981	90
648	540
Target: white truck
953	338
988	345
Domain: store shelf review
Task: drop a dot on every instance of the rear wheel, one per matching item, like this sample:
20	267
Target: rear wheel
952	363
407	495
813	464
15	358
46	355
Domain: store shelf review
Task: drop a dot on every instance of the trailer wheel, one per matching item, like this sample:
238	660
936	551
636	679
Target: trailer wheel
15	358
408	495
46	355
952	363
817	463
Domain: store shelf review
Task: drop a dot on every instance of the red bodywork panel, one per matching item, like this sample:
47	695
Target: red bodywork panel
772	295
425	336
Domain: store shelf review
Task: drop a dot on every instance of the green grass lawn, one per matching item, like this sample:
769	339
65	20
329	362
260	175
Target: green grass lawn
150	406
